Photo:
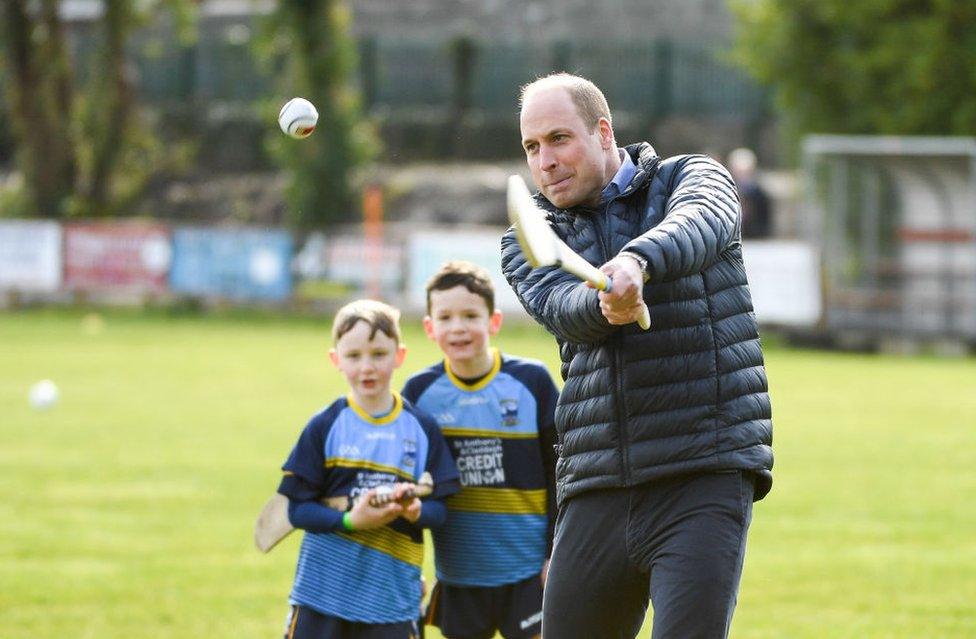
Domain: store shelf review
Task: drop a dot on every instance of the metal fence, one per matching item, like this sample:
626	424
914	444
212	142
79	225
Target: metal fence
652	78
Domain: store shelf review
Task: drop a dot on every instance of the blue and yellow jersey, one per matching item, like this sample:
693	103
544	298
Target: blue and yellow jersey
497	526
370	576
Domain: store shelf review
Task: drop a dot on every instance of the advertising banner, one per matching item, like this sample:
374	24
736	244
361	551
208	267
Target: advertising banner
784	279
427	250
373	267
352	260
30	256
238	264
116	257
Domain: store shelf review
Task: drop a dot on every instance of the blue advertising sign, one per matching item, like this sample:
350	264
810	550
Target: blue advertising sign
428	250
240	264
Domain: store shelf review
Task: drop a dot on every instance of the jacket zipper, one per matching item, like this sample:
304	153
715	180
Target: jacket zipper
618	366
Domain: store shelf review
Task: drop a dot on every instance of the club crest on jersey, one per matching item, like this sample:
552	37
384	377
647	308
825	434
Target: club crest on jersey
409	459
509	412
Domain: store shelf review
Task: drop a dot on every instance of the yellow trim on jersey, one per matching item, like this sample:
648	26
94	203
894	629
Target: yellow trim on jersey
509	501
345	462
386	540
478	432
495	367
378	421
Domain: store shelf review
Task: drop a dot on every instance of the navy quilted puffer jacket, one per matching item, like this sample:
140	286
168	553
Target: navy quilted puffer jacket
688	395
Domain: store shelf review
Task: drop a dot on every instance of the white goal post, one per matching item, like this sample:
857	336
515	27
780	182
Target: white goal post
895	218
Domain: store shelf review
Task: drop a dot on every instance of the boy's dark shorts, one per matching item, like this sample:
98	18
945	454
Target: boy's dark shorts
306	623
473	612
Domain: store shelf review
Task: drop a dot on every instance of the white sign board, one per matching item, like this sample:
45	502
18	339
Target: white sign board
30	256
428	250
784	279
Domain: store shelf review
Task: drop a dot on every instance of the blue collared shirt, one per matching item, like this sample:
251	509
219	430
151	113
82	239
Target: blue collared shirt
621	180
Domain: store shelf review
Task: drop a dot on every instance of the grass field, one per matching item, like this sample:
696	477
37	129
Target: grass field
127	510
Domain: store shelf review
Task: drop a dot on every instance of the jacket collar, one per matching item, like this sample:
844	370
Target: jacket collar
645	159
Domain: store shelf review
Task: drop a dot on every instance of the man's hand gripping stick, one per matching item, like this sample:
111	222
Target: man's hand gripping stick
542	247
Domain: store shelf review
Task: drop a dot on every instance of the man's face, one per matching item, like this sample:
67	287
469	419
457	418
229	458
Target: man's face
569	163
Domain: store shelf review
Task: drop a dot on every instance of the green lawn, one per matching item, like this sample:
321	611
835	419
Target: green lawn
127	510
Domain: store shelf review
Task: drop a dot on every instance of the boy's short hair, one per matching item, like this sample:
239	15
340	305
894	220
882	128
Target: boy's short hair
466	274
380	317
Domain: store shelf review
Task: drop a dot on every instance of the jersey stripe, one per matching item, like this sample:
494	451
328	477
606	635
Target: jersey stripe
342	462
479	432
339	577
481	549
495	367
389	541
509	501
377	421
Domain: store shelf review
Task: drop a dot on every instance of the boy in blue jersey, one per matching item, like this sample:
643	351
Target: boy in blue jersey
496	413
358	573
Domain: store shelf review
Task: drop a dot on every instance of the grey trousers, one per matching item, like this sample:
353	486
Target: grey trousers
678	542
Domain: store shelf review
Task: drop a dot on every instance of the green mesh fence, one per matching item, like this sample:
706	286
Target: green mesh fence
654	78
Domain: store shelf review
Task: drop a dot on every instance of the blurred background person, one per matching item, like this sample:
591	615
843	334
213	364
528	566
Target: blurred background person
756	216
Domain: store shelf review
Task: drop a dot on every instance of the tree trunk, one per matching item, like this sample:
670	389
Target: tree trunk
113	107
40	96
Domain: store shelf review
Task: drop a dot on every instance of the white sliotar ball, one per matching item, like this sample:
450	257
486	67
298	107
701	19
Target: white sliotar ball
298	118
43	395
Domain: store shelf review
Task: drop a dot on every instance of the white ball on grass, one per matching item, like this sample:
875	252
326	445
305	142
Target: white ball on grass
43	395
298	118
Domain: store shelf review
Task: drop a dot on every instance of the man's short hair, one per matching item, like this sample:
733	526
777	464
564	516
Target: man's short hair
466	274
379	316
590	102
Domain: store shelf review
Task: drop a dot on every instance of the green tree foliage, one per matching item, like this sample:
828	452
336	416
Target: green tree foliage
83	148
313	39
106	113
865	67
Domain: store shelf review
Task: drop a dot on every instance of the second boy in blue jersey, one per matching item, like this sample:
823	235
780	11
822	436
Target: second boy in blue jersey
496	413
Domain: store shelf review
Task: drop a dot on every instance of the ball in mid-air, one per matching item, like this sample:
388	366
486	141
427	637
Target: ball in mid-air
298	118
43	395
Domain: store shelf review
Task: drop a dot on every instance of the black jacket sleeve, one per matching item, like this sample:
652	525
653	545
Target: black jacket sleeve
701	221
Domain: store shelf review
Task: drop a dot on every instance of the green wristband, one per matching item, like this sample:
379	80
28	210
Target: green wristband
347	521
